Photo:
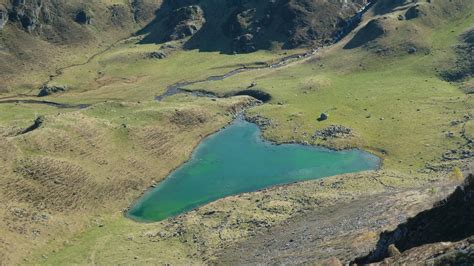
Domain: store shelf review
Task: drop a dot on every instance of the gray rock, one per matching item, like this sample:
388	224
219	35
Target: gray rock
30	14
157	55
412	50
323	117
3	16
333	131
261	121
185	22
46	90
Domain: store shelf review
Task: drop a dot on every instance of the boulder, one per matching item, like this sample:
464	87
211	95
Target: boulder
323	117
412	50
46	90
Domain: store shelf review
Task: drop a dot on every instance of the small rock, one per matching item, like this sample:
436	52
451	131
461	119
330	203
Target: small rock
393	251
412	50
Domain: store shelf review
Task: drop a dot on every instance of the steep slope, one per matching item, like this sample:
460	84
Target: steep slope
246	26
451	220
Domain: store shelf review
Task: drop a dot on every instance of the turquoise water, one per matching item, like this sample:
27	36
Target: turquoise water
237	160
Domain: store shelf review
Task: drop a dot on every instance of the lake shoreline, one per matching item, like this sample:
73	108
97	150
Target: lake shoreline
240	116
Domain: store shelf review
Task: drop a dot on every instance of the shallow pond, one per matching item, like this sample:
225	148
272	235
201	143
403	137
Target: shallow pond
237	160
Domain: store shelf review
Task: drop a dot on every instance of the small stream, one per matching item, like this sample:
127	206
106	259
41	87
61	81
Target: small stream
180	87
48	103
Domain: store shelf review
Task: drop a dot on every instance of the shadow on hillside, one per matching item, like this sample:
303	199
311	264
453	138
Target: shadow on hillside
251	25
450	220
214	36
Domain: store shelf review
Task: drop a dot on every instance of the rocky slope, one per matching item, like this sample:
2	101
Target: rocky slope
245	26
450	220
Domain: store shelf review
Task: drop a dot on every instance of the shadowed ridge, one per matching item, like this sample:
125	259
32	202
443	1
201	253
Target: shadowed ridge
450	220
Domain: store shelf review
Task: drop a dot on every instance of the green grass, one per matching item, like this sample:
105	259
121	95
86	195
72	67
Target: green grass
397	105
127	75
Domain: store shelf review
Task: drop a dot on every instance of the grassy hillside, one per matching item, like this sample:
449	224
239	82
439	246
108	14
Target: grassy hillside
396	101
66	184
42	36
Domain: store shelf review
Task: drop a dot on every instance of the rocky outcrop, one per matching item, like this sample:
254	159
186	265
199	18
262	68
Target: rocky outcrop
185	22
156	55
246	26
444	253
332	131
451	220
47	90
30	14
261	121
143	10
3	16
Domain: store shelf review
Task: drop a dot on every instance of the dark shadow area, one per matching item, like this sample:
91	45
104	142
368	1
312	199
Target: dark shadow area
463	66
387	6
257	94
450	220
238	26
370	32
36	124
